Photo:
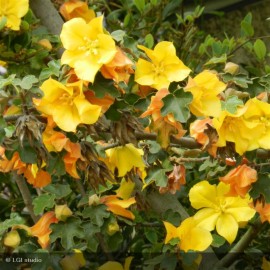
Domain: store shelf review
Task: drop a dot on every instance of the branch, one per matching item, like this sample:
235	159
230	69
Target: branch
26	195
241	245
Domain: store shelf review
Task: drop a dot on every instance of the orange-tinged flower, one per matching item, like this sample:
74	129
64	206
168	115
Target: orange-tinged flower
14	163
205	88
191	236
198	132
42	230
35	176
87	47
240	180
67	105
164	126
165	67
118	206
76	9
13	10
119	69
176	179
263	209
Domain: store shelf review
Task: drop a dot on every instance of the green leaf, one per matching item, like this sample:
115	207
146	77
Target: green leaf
15	219
52	69
171	8
140	5
28	81
59	190
56	165
90	230
102	86
3	22
177	104
217	240
240	80
151	235
231	103
261	187
246	26
47	260
27	154
97	214
118	35
67	231
157	175
260	49
149	41
43	201
216	60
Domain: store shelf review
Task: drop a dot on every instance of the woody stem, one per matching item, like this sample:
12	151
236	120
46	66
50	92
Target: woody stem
26	195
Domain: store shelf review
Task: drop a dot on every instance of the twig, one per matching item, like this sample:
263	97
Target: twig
81	188
26	195
182	159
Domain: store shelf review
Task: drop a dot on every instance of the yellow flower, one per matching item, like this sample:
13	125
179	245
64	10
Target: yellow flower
205	88
258	113
125	158
12	239
218	210
116	265
191	236
66	104
87	47
248	128
73	262
13	10
165	67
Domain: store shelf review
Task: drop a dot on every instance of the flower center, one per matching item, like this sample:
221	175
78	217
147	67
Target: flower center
159	69
90	46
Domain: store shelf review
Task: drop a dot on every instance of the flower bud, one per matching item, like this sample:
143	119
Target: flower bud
12	239
94	200
231	68
45	43
62	212
112	228
73	262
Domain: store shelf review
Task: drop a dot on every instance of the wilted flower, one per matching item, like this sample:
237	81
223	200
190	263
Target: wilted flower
66	104
13	11
87	47
263	209
191	236
219	211
166	125
240	180
74	261
118	206
62	212
165	67
42	230
76	9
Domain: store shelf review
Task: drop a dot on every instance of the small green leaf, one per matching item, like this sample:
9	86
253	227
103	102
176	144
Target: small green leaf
59	190
28	81
3	22
15	219
216	60
231	103
67	231
43	201
140	5
151	235
118	35
260	49
246	26
217	240
27	154
177	104
261	187
56	165
149	41
157	175
97	214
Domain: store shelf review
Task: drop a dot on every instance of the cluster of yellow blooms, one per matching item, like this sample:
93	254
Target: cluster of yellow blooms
90	49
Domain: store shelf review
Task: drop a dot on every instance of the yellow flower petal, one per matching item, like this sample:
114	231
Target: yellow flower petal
126	188
111	265
171	231
203	195
207	218
227	227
